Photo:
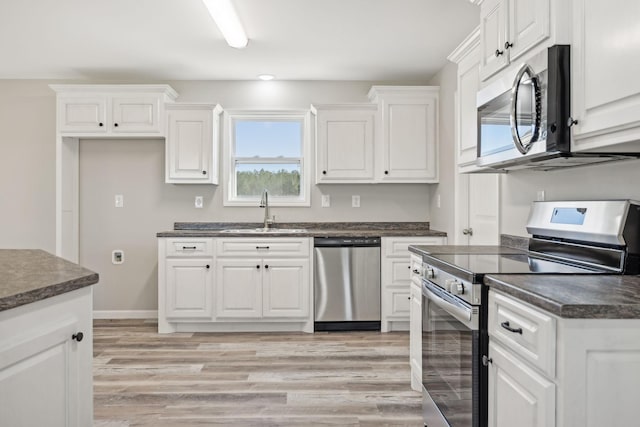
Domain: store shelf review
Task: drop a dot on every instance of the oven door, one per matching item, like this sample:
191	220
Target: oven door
451	356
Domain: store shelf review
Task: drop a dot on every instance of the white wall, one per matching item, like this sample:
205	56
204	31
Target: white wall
617	180
27	165
442	217
135	168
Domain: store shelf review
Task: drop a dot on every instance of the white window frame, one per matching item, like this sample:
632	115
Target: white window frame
230	196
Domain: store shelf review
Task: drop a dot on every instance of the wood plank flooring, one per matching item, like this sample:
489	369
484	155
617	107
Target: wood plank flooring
250	379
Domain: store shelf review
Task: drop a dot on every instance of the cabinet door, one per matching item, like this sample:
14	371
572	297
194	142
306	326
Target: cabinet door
409	151
467	112
345	146
493	33
396	303
518	396
238	288
135	114
82	115
39	377
189	147
605	85
529	23
415	335
189	288
285	289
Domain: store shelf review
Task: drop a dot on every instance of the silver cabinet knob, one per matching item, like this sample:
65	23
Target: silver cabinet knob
467	231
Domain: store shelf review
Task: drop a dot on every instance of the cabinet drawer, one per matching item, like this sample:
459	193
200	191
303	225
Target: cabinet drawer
238	246
189	247
533	334
399	246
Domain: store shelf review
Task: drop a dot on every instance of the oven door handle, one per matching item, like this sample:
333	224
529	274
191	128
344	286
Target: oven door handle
449	304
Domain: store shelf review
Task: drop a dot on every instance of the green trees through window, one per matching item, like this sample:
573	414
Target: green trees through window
280	183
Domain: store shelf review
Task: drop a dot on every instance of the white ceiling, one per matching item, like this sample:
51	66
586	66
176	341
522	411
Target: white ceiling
376	40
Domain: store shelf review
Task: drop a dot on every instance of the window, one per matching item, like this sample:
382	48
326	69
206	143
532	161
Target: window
267	150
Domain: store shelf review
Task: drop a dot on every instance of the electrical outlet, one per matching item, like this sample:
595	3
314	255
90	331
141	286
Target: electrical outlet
119	201
540	196
326	201
117	256
199	202
355	201
438	201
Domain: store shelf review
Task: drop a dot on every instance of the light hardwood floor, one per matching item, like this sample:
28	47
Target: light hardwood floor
249	379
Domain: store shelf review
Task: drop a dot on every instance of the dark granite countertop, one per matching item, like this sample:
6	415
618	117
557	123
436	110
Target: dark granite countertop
30	275
508	245
574	297
464	249
312	229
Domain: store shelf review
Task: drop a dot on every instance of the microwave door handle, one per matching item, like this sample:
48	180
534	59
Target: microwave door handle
523	145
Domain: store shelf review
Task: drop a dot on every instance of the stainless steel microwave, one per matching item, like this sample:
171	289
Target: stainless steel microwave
524	118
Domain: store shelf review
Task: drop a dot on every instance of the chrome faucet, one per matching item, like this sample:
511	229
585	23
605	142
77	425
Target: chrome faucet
264	203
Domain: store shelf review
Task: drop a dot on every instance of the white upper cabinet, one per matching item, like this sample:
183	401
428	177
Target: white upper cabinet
192	145
493	29
112	110
467	56
510	28
407	149
345	143
604	68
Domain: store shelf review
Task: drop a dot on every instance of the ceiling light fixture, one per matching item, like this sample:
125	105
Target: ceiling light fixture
226	18
266	77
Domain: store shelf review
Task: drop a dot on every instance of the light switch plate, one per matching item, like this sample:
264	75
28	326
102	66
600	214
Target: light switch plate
326	201
355	201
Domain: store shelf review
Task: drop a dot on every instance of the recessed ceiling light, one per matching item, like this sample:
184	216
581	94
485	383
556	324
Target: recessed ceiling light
226	18
266	77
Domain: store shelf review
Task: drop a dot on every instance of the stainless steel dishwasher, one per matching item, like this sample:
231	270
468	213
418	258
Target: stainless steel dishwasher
347	283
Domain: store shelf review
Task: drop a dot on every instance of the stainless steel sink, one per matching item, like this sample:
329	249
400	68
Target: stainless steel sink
264	230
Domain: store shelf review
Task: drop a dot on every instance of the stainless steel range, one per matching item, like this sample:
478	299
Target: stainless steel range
568	237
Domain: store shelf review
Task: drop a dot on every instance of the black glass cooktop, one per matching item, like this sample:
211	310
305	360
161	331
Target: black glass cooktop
507	264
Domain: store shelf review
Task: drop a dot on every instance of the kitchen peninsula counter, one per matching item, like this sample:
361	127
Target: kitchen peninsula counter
46	340
594	296
30	275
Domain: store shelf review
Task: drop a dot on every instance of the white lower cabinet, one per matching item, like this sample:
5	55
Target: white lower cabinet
46	373
285	288
189	288
249	285
518	396
546	371
395	274
185	281
262	288
415	323
239	288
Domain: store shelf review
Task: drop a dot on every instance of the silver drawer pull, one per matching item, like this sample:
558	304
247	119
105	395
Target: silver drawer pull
262	247
189	247
510	329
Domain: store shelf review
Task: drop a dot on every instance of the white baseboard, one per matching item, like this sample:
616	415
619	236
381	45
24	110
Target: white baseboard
125	314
